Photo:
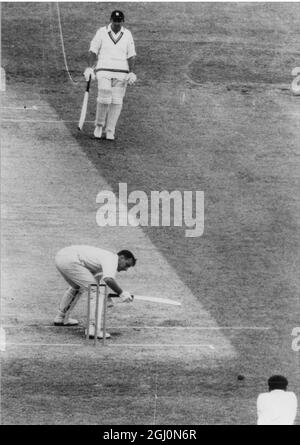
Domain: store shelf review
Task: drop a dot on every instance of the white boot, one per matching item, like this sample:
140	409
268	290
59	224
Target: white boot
61	321
68	302
98	132
110	136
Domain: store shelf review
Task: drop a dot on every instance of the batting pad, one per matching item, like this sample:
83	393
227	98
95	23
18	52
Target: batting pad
101	113
113	116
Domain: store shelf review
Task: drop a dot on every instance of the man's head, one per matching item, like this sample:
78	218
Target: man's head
117	19
277	382
126	260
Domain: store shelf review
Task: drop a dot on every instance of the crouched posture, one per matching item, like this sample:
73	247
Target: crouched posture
113	49
278	406
80	266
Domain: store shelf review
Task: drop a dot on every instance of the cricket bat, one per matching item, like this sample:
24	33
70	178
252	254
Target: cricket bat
150	298
84	105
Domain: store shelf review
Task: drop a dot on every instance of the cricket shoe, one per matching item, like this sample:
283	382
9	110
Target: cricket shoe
62	321
110	136
99	335
98	132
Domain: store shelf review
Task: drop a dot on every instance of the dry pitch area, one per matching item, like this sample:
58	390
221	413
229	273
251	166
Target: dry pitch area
212	111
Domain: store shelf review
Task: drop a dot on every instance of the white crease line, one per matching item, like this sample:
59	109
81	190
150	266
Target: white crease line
135	345
34	121
191	328
159	345
25	108
199	328
44	344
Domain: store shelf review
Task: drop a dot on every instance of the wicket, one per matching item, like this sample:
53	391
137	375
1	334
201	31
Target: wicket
97	321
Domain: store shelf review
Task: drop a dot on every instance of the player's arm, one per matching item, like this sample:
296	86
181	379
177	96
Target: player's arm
111	282
131	55
131	63
89	71
131	77
92	57
125	296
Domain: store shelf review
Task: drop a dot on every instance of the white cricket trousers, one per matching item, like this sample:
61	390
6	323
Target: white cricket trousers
73	271
79	278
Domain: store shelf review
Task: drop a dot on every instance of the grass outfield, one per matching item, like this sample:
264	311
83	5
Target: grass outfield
212	111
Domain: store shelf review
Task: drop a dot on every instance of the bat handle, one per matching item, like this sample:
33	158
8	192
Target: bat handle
88	84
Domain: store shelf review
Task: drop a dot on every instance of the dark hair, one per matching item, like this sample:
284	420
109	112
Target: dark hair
277	382
128	255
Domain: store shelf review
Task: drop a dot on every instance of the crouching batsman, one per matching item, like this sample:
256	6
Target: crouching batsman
80	266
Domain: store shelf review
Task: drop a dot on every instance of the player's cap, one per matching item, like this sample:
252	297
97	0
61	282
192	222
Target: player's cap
117	16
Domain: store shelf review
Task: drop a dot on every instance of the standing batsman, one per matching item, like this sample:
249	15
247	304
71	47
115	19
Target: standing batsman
80	266
112	57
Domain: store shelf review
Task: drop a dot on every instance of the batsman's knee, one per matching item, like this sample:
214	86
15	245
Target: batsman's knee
117	100
104	97
117	96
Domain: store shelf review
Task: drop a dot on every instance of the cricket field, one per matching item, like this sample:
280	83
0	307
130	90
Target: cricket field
212	111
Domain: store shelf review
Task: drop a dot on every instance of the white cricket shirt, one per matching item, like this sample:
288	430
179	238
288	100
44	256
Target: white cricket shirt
112	49
276	407
97	260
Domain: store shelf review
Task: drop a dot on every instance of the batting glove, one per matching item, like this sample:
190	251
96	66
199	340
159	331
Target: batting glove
131	78
89	72
126	297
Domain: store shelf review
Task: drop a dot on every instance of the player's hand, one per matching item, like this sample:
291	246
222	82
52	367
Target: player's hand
89	72
131	78
126	297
